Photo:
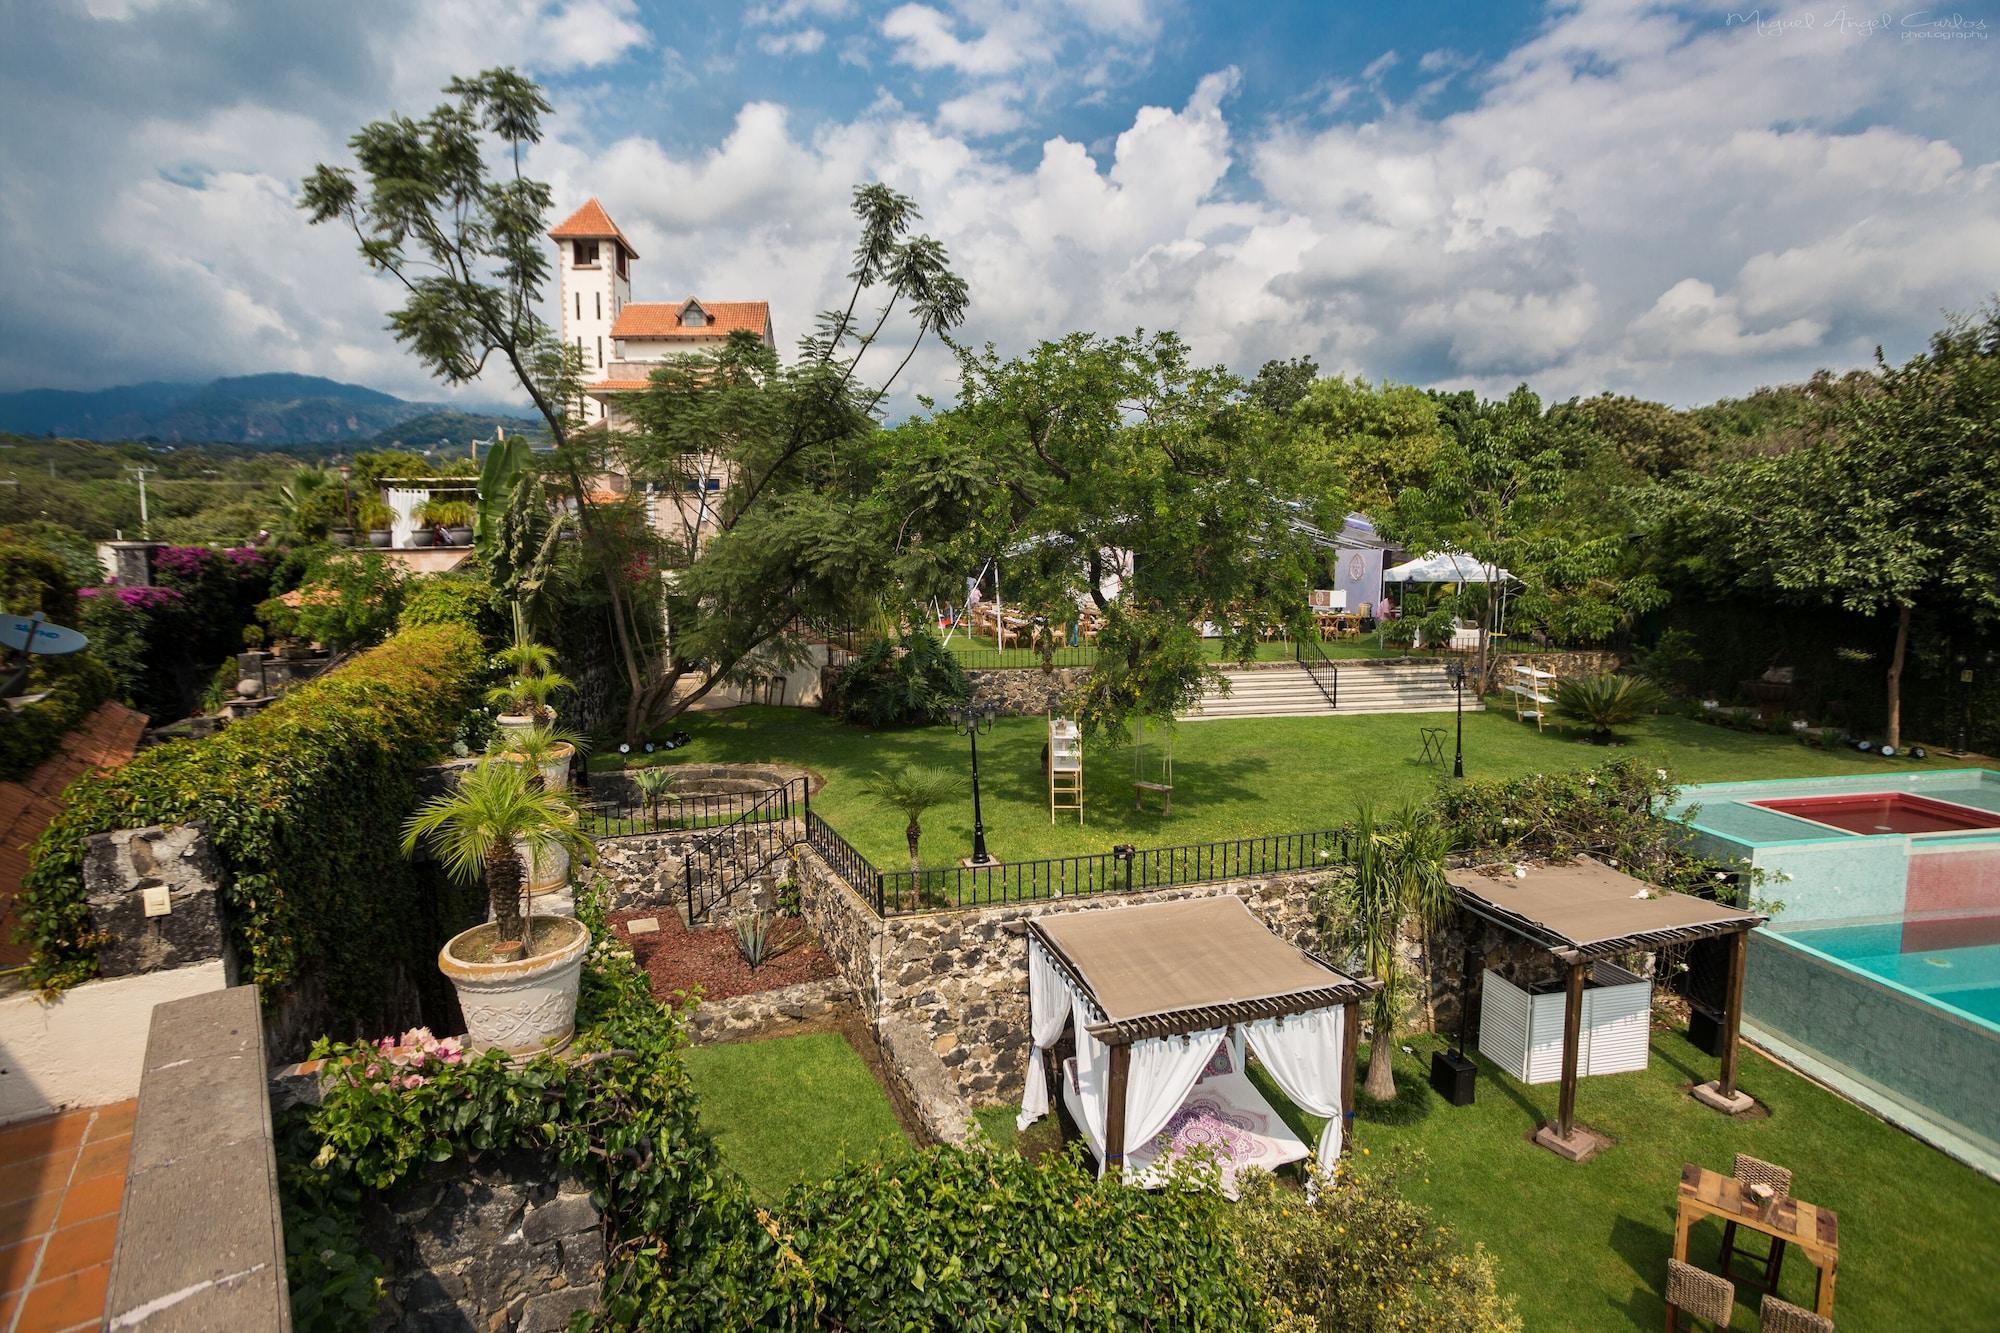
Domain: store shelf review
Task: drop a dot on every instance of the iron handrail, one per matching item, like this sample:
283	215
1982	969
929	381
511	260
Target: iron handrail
1318	665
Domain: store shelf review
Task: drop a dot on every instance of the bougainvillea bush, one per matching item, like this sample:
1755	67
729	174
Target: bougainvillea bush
164	642
304	803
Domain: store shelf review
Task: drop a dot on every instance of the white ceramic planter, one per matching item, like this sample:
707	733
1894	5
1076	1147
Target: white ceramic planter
526	1006
546	881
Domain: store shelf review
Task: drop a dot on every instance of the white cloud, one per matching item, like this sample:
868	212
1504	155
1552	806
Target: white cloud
927	38
991	109
790	11
803	42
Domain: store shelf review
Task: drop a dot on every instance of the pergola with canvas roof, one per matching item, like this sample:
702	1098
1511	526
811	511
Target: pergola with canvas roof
1583	912
1164	1001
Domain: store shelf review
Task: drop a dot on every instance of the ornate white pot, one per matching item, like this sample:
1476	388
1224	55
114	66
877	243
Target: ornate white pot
524	1006
545	881
509	723
555	772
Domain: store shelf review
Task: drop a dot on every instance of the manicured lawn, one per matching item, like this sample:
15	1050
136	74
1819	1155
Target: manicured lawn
1586	1247
1233	778
791	1108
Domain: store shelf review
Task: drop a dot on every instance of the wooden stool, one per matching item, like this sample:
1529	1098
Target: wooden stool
1755	1171
1701	1295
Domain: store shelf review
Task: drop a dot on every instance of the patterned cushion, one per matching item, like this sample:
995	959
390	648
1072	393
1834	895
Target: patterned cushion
1219	1063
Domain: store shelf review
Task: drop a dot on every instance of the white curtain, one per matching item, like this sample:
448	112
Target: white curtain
1050	1003
1302	1052
1162	1072
1093	1074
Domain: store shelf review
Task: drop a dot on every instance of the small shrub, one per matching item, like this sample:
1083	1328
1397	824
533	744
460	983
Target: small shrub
450	599
1674	661
1360	1257
753	938
1606	702
903	683
75	686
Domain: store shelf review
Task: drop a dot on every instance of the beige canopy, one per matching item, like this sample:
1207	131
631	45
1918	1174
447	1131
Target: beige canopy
1588	910
1187	966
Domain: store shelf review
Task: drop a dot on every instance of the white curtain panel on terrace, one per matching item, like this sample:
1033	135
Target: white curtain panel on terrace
1302	1052
1050	1005
1160	1077
1093	1073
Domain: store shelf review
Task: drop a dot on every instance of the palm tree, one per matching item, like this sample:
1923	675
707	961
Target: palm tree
301	507
475	830
540	748
913	793
1396	881
526	695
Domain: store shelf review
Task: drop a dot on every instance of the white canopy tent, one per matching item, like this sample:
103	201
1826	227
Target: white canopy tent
1164	1002
1445	567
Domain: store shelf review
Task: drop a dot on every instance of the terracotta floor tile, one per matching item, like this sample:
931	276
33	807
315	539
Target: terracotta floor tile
16	1263
103	1158
20	1142
8	1304
68	1301
27	1217
86	1199
72	1249
112	1121
37	1175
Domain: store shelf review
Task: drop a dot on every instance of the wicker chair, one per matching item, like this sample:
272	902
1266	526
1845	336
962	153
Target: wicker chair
1698	1294
1755	1171
1776	1316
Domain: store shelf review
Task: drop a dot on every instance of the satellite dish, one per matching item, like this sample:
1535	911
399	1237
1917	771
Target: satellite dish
33	635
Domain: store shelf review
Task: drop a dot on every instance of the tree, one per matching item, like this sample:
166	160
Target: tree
482	827
913	793
1380	440
1112	473
1397	881
1281	384
465	239
1895	498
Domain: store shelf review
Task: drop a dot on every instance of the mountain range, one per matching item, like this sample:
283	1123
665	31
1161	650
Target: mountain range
256	410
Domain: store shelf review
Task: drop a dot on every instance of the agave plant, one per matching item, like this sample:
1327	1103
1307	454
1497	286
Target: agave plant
1608	701
656	786
478	829
753	938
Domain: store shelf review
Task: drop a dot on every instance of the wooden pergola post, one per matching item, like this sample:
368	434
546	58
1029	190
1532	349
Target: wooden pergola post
1732	1011
1350	1037
1572	1039
1114	1113
1052	1074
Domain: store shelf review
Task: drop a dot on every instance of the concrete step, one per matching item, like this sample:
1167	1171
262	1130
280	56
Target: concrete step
1364	687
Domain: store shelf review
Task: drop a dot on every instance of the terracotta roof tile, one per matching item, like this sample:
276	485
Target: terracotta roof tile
662	319
591	222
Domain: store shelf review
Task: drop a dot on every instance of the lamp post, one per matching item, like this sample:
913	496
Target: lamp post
1965	664
1455	669
976	720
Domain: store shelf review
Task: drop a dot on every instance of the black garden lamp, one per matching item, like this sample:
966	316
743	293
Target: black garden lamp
1454	671
976	720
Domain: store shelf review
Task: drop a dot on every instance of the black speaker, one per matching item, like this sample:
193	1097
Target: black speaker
1452	1077
1705	1031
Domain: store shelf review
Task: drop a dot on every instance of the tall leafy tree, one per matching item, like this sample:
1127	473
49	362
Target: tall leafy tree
1380	439
1114	473
463	231
1894	501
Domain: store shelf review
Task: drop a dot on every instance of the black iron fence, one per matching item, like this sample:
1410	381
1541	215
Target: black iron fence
973	657
629	812
1124	869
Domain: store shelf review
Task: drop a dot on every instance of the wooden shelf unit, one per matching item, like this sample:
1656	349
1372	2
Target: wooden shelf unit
1534	692
1065	768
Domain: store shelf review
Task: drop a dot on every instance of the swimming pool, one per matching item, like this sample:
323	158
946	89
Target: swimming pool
1953	962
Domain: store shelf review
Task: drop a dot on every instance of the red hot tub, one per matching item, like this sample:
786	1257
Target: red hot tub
1873	814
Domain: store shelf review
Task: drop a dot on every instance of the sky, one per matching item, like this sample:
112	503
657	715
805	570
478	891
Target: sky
1680	201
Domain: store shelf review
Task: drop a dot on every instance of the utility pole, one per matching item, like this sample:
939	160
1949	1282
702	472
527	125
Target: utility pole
145	523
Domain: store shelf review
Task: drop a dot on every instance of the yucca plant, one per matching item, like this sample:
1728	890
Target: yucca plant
913	793
656	785
1606	702
477	828
1397	881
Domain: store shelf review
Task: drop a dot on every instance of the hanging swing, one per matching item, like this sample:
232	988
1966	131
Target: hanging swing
1153	765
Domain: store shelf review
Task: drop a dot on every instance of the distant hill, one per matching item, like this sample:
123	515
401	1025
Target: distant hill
261	410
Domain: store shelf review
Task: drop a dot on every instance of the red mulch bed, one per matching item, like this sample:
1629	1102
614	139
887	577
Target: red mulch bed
679	960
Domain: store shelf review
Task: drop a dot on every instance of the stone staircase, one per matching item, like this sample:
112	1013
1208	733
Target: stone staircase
1288	690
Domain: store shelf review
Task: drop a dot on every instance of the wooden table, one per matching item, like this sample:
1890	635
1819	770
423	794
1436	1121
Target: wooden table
1813	1230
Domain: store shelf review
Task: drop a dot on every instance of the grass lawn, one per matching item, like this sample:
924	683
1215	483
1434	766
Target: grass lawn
791	1108
1586	1247
1233	777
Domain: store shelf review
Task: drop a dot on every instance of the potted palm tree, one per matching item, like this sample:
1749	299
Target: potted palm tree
376	517
516	975
546	749
524	697
450	518
544	753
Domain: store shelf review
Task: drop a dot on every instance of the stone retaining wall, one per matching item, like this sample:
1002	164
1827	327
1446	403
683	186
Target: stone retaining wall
507	1241
1025	691
742	1015
704	780
1565	662
652	870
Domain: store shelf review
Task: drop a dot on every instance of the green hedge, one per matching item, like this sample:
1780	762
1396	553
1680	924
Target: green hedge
304	802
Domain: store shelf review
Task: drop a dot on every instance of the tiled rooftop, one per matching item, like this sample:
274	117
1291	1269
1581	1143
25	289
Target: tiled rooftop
62	1179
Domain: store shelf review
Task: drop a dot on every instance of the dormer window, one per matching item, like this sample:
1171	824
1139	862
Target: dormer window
586	254
693	316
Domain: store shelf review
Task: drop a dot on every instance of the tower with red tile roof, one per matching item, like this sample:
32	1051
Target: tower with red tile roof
622	341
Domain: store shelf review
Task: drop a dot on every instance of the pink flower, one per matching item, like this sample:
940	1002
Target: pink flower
414	1081
373	1071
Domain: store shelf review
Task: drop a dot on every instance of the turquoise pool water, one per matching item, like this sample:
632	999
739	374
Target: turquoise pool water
1949	963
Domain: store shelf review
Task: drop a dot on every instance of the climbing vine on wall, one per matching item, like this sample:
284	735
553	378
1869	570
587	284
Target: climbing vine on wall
304	803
